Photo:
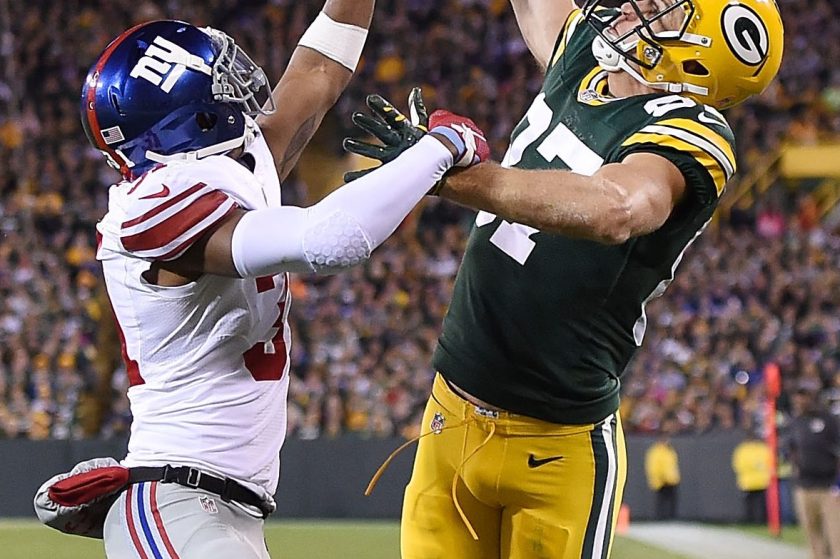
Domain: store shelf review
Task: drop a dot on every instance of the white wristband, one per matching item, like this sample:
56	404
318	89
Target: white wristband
337	41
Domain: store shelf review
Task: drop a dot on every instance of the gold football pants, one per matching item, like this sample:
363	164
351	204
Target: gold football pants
525	488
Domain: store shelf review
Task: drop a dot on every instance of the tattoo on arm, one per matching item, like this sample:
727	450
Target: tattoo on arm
299	140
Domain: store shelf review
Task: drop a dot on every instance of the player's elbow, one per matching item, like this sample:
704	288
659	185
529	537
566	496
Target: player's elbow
614	234
319	80
333	79
614	224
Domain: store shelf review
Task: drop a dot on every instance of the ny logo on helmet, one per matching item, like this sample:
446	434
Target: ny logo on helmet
745	34
164	62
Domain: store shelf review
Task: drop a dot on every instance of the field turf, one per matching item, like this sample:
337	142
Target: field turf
286	540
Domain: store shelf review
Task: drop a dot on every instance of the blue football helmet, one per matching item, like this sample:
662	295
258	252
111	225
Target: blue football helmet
167	90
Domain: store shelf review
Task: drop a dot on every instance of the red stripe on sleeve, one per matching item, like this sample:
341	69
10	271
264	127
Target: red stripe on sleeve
168	204
177	251
171	228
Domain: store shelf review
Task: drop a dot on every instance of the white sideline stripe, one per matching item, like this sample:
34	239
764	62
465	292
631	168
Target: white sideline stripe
698	541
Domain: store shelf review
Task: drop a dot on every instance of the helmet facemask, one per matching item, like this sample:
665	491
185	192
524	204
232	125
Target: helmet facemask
641	50
237	79
669	23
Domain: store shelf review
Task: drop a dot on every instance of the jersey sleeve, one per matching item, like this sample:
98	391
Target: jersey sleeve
574	44
573	22
165	218
700	144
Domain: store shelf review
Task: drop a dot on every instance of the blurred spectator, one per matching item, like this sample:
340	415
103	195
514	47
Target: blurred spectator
814	446
751	462
662	468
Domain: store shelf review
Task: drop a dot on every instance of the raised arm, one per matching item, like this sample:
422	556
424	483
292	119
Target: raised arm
319	70
338	232
540	22
621	200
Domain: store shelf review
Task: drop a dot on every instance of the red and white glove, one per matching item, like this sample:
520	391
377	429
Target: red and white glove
467	137
77	502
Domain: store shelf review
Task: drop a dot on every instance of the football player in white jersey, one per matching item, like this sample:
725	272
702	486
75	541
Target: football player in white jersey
196	248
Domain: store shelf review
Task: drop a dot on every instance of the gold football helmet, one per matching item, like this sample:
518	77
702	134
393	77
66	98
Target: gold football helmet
718	52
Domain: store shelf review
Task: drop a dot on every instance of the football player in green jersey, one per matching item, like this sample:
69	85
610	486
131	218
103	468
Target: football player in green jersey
612	173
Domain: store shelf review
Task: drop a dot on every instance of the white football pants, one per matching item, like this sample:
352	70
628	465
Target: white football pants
153	520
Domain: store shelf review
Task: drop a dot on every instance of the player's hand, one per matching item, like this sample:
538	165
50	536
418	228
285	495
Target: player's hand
468	139
459	134
388	125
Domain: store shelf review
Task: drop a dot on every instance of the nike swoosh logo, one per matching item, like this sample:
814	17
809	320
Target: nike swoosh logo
710	120
162	194
534	462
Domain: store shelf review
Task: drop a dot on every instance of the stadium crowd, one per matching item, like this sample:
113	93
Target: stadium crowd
762	288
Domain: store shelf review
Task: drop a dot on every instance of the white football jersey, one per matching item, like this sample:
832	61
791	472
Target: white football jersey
208	362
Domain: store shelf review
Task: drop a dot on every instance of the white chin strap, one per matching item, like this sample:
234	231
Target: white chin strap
610	60
245	140
607	57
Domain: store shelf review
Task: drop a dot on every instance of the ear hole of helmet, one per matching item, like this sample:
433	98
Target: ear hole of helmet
115	100
206	121
695	68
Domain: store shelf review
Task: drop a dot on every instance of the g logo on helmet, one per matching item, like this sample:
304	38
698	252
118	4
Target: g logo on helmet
745	34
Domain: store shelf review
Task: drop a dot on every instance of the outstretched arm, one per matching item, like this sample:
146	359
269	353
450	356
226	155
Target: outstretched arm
540	22
338	232
313	81
621	200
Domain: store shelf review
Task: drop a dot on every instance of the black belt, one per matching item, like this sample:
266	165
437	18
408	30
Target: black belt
227	489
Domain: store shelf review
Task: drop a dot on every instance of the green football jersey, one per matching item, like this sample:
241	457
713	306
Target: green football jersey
544	325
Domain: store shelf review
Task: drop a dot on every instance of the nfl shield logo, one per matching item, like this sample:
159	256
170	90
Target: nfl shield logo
588	95
208	505
437	423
